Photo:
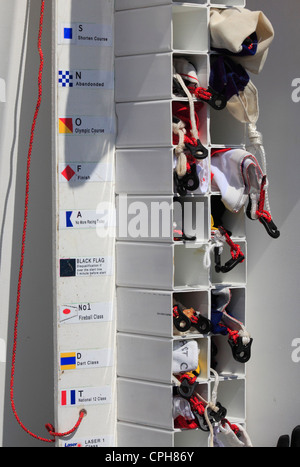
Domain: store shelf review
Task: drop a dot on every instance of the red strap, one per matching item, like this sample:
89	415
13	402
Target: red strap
233	335
182	111
233	427
191	379
197	405
181	422
236	252
175	308
200	93
235	249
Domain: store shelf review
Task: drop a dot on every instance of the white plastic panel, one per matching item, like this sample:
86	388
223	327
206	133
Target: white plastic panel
149	404
144	171
149	124
150	266
143	31
149	76
144	124
153	219
228	3
150	358
145	403
190	28
127	4
145	218
143	77
191	438
187	261
232	395
160	266
225	129
149	171
145	311
150	311
161	29
130	434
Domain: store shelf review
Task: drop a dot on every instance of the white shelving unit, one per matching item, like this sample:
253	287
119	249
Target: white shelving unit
154	270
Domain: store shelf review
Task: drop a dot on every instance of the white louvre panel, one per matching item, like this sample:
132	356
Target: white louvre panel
84	137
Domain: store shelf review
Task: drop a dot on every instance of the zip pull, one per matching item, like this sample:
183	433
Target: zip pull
189	182
241	352
202	324
199	151
217	101
187	387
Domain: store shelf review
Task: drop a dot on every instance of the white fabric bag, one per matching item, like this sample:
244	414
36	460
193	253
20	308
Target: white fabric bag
237	174
229	28
185	356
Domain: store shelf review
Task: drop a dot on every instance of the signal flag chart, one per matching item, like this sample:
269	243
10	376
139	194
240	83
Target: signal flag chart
84	140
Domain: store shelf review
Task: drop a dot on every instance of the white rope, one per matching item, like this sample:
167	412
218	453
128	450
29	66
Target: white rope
181	166
254	197
256	141
211	405
179	151
243	333
216	385
194	130
217	241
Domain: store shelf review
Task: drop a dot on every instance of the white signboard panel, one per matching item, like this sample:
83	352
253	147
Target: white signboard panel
84	123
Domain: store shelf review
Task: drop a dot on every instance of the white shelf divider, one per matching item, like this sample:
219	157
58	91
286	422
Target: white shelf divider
154	271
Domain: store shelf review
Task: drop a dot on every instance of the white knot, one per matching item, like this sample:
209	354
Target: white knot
178	127
245	336
181	165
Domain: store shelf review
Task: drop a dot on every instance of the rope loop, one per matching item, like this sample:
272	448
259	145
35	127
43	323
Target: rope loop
52	432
